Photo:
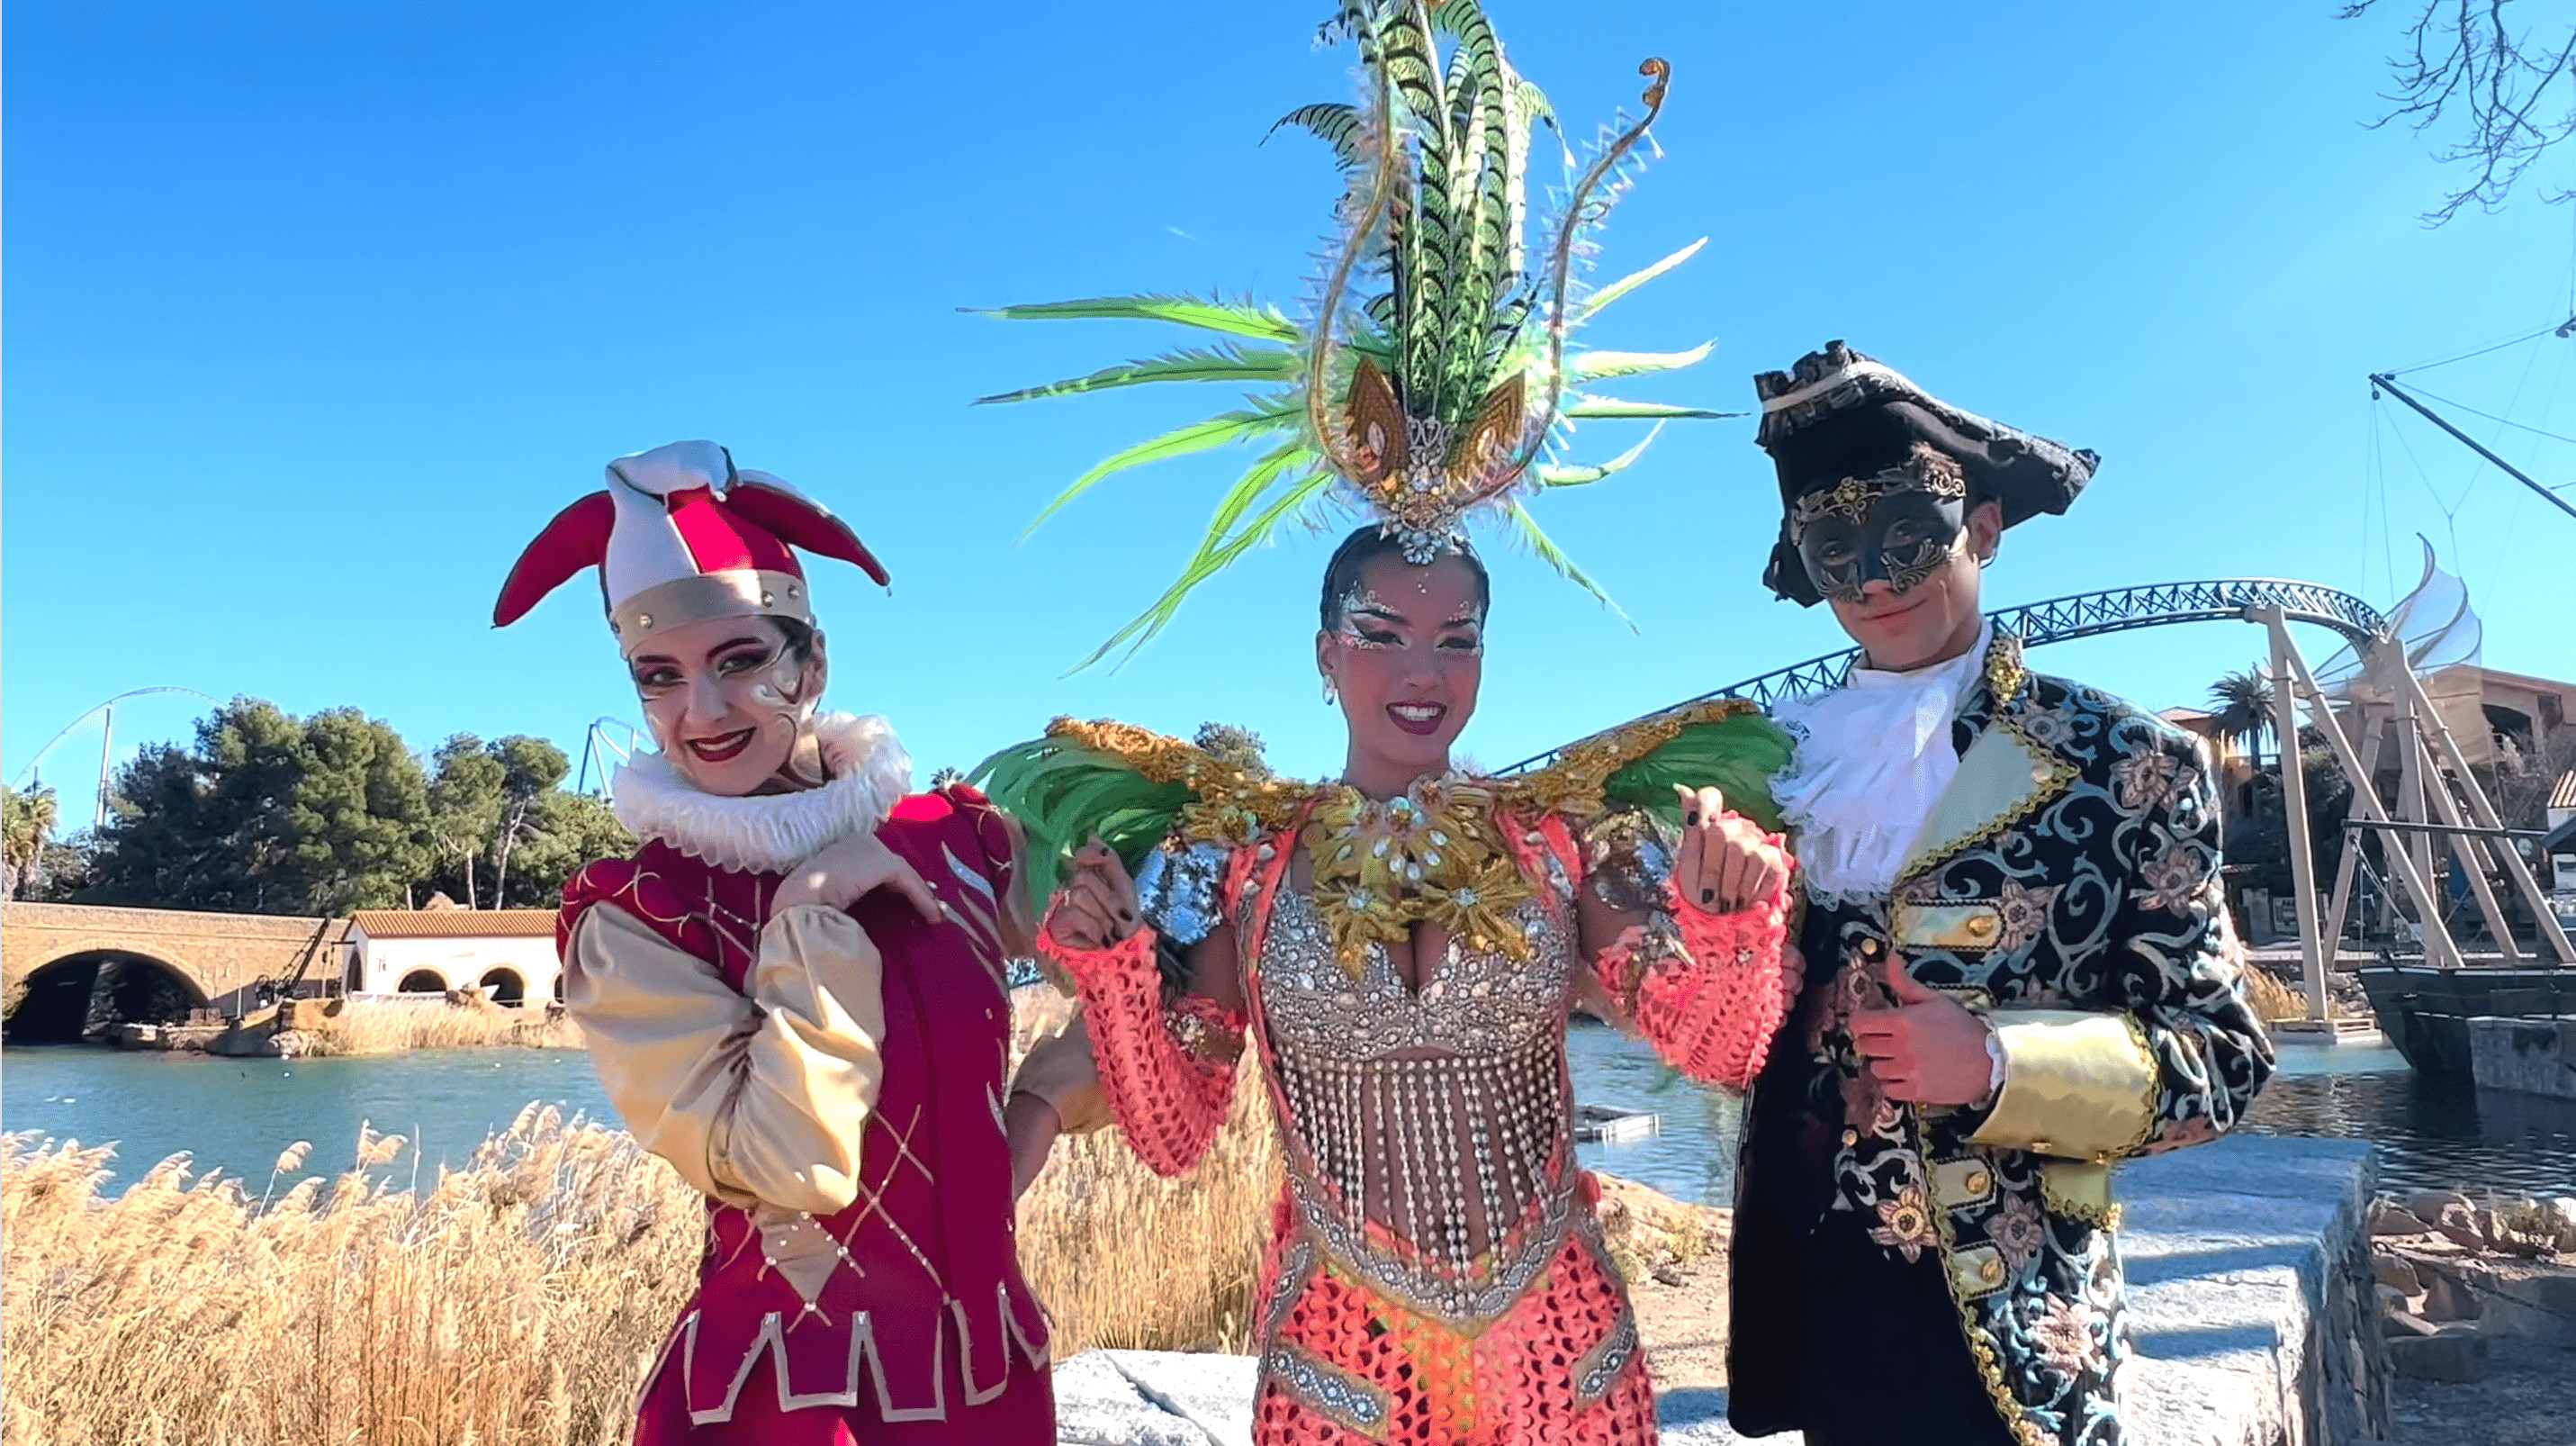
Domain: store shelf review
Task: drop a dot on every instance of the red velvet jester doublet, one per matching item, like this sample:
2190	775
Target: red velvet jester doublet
842	1113
1435	1273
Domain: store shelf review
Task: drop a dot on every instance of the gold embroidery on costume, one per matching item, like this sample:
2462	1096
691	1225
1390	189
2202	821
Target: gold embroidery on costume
1999	1392
1573	784
1926	470
2003	778
2079	1190
1234	805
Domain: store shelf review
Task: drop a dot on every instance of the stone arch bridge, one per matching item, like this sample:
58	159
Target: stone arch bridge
61	965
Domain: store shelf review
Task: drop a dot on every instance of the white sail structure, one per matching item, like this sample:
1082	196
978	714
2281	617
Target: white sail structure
2443	640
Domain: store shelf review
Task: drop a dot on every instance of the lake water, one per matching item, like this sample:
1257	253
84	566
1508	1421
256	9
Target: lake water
238	1114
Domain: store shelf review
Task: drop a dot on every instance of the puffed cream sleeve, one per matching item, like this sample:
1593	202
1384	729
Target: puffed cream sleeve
752	1099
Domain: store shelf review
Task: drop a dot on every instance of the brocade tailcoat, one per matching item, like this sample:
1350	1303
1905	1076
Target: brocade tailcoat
2065	885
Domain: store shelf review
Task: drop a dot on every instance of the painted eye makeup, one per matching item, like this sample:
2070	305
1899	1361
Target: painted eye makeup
1365	635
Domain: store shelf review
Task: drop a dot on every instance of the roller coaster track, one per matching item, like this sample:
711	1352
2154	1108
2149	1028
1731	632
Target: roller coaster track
2086	615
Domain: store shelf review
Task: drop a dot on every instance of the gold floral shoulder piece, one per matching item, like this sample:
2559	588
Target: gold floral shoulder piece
2005	674
1573	784
1234	805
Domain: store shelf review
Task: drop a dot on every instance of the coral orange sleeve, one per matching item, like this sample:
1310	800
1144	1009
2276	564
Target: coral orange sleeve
1168	1071
1708	991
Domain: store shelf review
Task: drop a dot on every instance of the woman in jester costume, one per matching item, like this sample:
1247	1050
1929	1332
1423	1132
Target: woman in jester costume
794	990
1402	946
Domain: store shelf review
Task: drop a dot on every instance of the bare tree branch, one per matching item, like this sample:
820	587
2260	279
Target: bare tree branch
2464	61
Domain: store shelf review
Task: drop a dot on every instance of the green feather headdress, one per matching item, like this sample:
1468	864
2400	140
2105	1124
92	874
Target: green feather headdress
1436	374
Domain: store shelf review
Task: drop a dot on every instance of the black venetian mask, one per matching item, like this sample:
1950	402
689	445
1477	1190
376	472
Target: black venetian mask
1899	526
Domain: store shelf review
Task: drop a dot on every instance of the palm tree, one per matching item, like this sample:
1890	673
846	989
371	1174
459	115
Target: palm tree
2244	713
26	822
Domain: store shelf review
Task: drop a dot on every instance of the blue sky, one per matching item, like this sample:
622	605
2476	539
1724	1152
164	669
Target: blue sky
316	313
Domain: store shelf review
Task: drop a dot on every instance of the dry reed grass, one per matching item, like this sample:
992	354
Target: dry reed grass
2272	999
517	1301
1125	1259
367	1028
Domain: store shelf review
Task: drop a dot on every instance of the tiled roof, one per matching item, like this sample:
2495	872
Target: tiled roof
455	923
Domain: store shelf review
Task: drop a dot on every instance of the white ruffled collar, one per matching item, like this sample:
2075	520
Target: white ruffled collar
1872	758
775	832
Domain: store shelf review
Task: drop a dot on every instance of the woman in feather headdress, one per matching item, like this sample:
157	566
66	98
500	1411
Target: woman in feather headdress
1403	946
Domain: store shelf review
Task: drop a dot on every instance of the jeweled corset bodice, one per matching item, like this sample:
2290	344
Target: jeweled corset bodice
1432	1129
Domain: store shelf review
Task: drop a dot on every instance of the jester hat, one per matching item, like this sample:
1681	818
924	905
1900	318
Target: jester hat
680	536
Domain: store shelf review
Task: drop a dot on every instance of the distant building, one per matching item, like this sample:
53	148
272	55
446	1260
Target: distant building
2501	718
2514	730
2560	846
508	953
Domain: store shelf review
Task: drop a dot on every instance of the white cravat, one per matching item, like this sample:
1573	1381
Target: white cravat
1873	756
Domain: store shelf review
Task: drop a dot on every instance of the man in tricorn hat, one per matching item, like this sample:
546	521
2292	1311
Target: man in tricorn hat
2019	964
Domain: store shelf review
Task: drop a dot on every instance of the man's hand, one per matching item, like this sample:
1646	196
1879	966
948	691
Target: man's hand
1928	1050
1724	863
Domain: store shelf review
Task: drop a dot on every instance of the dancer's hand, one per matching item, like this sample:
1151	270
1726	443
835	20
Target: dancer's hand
1098	905
849	871
1929	1049
1725	863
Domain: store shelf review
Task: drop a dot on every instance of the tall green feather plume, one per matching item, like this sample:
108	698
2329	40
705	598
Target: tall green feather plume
1438	212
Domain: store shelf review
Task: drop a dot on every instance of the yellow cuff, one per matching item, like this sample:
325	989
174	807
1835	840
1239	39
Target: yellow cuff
2077	1085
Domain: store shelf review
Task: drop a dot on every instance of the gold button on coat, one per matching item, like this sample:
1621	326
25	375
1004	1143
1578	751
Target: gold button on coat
1978	1181
1992	1272
1850	1138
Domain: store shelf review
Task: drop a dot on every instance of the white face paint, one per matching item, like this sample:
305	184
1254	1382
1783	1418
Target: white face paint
731	705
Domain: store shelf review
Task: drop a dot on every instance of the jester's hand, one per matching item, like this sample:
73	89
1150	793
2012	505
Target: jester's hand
849	870
1725	862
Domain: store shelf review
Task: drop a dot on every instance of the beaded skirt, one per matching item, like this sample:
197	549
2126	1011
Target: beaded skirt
1344	1364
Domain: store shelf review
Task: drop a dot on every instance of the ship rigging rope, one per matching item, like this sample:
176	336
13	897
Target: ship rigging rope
2505	421
2563	328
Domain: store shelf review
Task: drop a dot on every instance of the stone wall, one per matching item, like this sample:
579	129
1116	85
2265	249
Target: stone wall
2524	1056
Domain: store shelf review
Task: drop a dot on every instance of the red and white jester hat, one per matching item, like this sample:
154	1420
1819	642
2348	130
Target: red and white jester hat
679	537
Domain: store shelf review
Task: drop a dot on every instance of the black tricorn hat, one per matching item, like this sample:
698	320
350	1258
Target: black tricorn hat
1838	414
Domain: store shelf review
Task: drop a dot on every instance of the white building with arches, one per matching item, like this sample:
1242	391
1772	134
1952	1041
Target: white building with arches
508	953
